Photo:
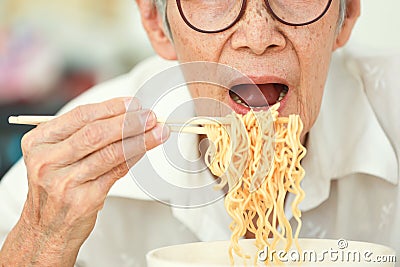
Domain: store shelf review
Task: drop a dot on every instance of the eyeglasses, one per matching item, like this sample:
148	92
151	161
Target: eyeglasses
213	16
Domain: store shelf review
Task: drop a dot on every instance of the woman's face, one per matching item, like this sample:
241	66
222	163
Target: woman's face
270	53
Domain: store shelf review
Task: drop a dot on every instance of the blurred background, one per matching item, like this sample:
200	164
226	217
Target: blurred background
53	50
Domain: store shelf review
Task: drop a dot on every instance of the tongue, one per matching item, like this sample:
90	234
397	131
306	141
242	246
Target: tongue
256	96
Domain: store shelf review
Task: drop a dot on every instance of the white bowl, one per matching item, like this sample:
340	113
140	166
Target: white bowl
316	252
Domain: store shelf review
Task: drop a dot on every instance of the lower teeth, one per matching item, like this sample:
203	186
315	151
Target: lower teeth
283	93
241	102
281	96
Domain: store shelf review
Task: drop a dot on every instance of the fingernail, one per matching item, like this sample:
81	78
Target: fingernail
161	132
132	104
148	119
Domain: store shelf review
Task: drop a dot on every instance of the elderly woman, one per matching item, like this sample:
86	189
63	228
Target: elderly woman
76	209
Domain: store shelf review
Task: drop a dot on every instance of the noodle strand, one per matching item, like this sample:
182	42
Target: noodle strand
258	155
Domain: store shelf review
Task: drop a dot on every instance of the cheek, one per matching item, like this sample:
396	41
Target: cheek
210	99
314	69
193	46
314	45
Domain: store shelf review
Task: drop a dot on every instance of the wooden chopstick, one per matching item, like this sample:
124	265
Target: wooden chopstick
175	126
188	129
197	120
29	120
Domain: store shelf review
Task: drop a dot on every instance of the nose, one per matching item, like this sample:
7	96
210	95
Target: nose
257	30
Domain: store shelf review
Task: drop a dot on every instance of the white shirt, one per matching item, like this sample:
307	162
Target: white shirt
351	182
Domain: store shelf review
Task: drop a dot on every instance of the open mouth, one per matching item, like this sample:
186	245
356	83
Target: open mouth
259	95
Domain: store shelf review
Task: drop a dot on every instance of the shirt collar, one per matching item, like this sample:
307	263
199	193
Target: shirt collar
346	138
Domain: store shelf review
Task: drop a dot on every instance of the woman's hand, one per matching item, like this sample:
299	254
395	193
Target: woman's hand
72	162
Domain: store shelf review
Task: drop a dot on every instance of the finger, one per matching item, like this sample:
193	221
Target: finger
100	134
65	125
111	156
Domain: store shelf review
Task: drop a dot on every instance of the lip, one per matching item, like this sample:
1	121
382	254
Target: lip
240	109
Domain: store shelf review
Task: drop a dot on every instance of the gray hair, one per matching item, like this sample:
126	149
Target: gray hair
161	6
342	15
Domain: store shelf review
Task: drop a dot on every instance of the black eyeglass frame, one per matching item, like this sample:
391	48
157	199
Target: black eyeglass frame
243	9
